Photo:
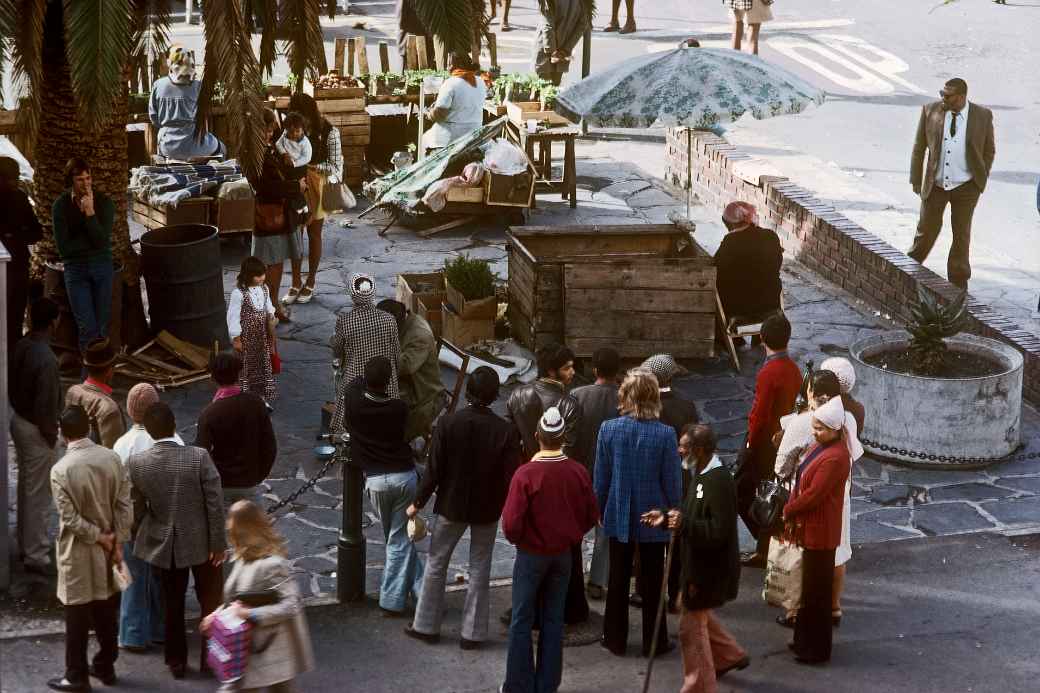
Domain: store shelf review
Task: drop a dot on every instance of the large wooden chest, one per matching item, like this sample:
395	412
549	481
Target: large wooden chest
641	289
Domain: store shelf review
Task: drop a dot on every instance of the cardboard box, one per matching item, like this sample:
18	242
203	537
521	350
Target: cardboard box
482	308
413	287
463	332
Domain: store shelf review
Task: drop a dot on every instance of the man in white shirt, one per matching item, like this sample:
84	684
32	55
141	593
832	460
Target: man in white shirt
959	139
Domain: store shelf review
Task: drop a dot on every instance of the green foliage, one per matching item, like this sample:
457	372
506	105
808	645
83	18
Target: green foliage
522	86
931	322
473	278
454	22
98	40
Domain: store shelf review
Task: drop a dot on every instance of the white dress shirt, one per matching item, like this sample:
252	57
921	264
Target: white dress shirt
137	440
234	311
953	157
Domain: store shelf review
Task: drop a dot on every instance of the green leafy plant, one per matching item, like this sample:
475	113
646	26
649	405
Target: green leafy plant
471	277
931	323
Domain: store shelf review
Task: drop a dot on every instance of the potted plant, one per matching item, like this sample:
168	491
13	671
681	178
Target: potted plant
470	285
936	397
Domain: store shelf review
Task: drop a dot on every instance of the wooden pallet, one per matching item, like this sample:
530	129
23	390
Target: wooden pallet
194	210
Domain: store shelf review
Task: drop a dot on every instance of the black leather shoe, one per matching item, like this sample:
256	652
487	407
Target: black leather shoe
611	650
739	666
106	677
63	684
465	644
432	638
177	670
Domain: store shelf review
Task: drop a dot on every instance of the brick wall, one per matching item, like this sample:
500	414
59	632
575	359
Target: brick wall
831	244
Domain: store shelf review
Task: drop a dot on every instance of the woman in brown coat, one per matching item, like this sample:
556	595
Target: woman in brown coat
813	518
261	566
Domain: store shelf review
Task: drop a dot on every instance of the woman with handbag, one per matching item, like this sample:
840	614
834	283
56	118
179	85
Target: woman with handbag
275	233
326	193
813	522
262	591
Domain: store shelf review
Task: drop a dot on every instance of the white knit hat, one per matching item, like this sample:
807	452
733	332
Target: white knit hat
842	368
552	422
831	414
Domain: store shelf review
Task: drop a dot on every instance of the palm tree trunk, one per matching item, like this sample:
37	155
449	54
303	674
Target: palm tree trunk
62	136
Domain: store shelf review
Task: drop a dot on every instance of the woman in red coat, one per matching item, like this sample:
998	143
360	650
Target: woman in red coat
813	517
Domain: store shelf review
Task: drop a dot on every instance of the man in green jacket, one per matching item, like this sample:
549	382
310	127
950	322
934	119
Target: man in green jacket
710	552
83	221
419	371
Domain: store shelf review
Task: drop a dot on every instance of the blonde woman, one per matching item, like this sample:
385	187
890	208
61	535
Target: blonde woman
280	628
637	470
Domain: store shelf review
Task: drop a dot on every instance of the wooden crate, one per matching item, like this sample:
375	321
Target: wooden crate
342	105
641	289
521	111
481	308
233	216
412	287
462	332
429	309
194	210
475	195
511	191
348	118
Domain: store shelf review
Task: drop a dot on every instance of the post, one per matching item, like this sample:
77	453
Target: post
5	552
188	7
422	61
362	57
411	53
351	51
341	47
420	150
350	556
384	57
492	40
586	53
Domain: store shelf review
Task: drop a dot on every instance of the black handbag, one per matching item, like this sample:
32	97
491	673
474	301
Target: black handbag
767	508
257	598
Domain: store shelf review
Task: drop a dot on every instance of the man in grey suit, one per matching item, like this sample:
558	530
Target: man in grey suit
959	140
179	510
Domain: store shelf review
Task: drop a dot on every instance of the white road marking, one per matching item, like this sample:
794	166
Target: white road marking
887	64
860	80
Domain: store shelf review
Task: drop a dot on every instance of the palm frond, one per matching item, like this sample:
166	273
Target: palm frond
98	42
451	21
268	54
151	26
6	32
27	55
230	60
304	44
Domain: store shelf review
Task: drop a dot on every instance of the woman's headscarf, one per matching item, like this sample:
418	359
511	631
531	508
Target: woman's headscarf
362	289
740	213
832	414
843	369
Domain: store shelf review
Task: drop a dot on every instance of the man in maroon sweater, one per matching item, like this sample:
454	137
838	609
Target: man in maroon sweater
776	389
549	509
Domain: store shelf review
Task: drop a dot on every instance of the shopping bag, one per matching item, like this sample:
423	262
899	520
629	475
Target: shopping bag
228	646
783	585
337	197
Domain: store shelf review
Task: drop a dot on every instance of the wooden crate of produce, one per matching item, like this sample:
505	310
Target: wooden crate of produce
411	287
194	210
641	289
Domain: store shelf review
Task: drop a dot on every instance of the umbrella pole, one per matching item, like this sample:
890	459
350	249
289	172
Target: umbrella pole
660	612
689	168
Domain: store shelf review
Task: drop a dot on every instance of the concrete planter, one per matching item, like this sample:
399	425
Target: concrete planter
959	423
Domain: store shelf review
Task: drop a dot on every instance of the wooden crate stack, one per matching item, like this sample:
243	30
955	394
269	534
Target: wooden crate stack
345	109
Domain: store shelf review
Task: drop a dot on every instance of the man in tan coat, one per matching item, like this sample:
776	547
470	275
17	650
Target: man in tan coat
959	139
92	493
95	394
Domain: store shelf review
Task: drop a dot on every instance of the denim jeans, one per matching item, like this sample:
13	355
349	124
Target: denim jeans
390	495
533	573
141	608
89	286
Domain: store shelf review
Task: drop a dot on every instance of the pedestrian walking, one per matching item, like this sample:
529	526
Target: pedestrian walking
473	456
361	335
261	589
95	394
19	229
235	429
549	508
599	403
813	521
376	421
419	372
637	470
615	20
179	513
92	494
35	395
141	609
710	552
776	388
251	322
561	24
82	219
504	22
958	137
753	13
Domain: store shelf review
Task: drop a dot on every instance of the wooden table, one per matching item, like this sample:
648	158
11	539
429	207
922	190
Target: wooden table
544	138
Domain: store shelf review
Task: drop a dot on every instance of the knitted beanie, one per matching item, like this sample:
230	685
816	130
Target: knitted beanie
140	397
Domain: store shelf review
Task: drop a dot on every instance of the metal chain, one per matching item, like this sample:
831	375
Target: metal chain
306	487
947	459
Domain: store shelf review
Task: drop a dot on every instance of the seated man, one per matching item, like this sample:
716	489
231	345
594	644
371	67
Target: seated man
748	263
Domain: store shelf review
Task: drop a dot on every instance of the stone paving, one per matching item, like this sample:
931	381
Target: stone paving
889	502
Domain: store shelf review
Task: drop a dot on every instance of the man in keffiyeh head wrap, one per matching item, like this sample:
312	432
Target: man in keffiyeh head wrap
748	264
846	373
360	335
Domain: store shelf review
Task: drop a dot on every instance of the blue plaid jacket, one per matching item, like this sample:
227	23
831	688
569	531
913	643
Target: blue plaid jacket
637	469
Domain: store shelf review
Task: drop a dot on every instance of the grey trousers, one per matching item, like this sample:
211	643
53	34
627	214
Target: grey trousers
446	535
35	459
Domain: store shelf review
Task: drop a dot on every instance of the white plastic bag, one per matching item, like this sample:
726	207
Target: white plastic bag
504	158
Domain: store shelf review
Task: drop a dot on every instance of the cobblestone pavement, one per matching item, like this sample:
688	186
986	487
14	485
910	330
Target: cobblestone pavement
889	502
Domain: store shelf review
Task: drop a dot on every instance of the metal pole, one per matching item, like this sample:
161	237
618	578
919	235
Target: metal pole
350	557
188	7
5	553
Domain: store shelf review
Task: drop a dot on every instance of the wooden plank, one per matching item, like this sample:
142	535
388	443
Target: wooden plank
356	129
362	57
636	300
339	93
641	349
341	105
190	353
615	229
341	47
689	275
356	139
384	57
157	364
349	118
638	325
446	226
351	48
411	59
422	61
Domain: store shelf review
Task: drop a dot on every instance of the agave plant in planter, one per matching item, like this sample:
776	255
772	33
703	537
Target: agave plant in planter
931	324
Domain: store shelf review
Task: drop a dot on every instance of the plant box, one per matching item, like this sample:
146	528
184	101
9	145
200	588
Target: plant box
463	332
411	288
233	216
481	308
194	210
429	308
339	93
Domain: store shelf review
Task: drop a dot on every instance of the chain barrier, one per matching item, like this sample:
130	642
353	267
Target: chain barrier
948	459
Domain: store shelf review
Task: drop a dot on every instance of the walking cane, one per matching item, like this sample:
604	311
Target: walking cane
660	608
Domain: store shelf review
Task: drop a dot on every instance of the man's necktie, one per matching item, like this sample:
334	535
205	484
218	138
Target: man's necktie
953	124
